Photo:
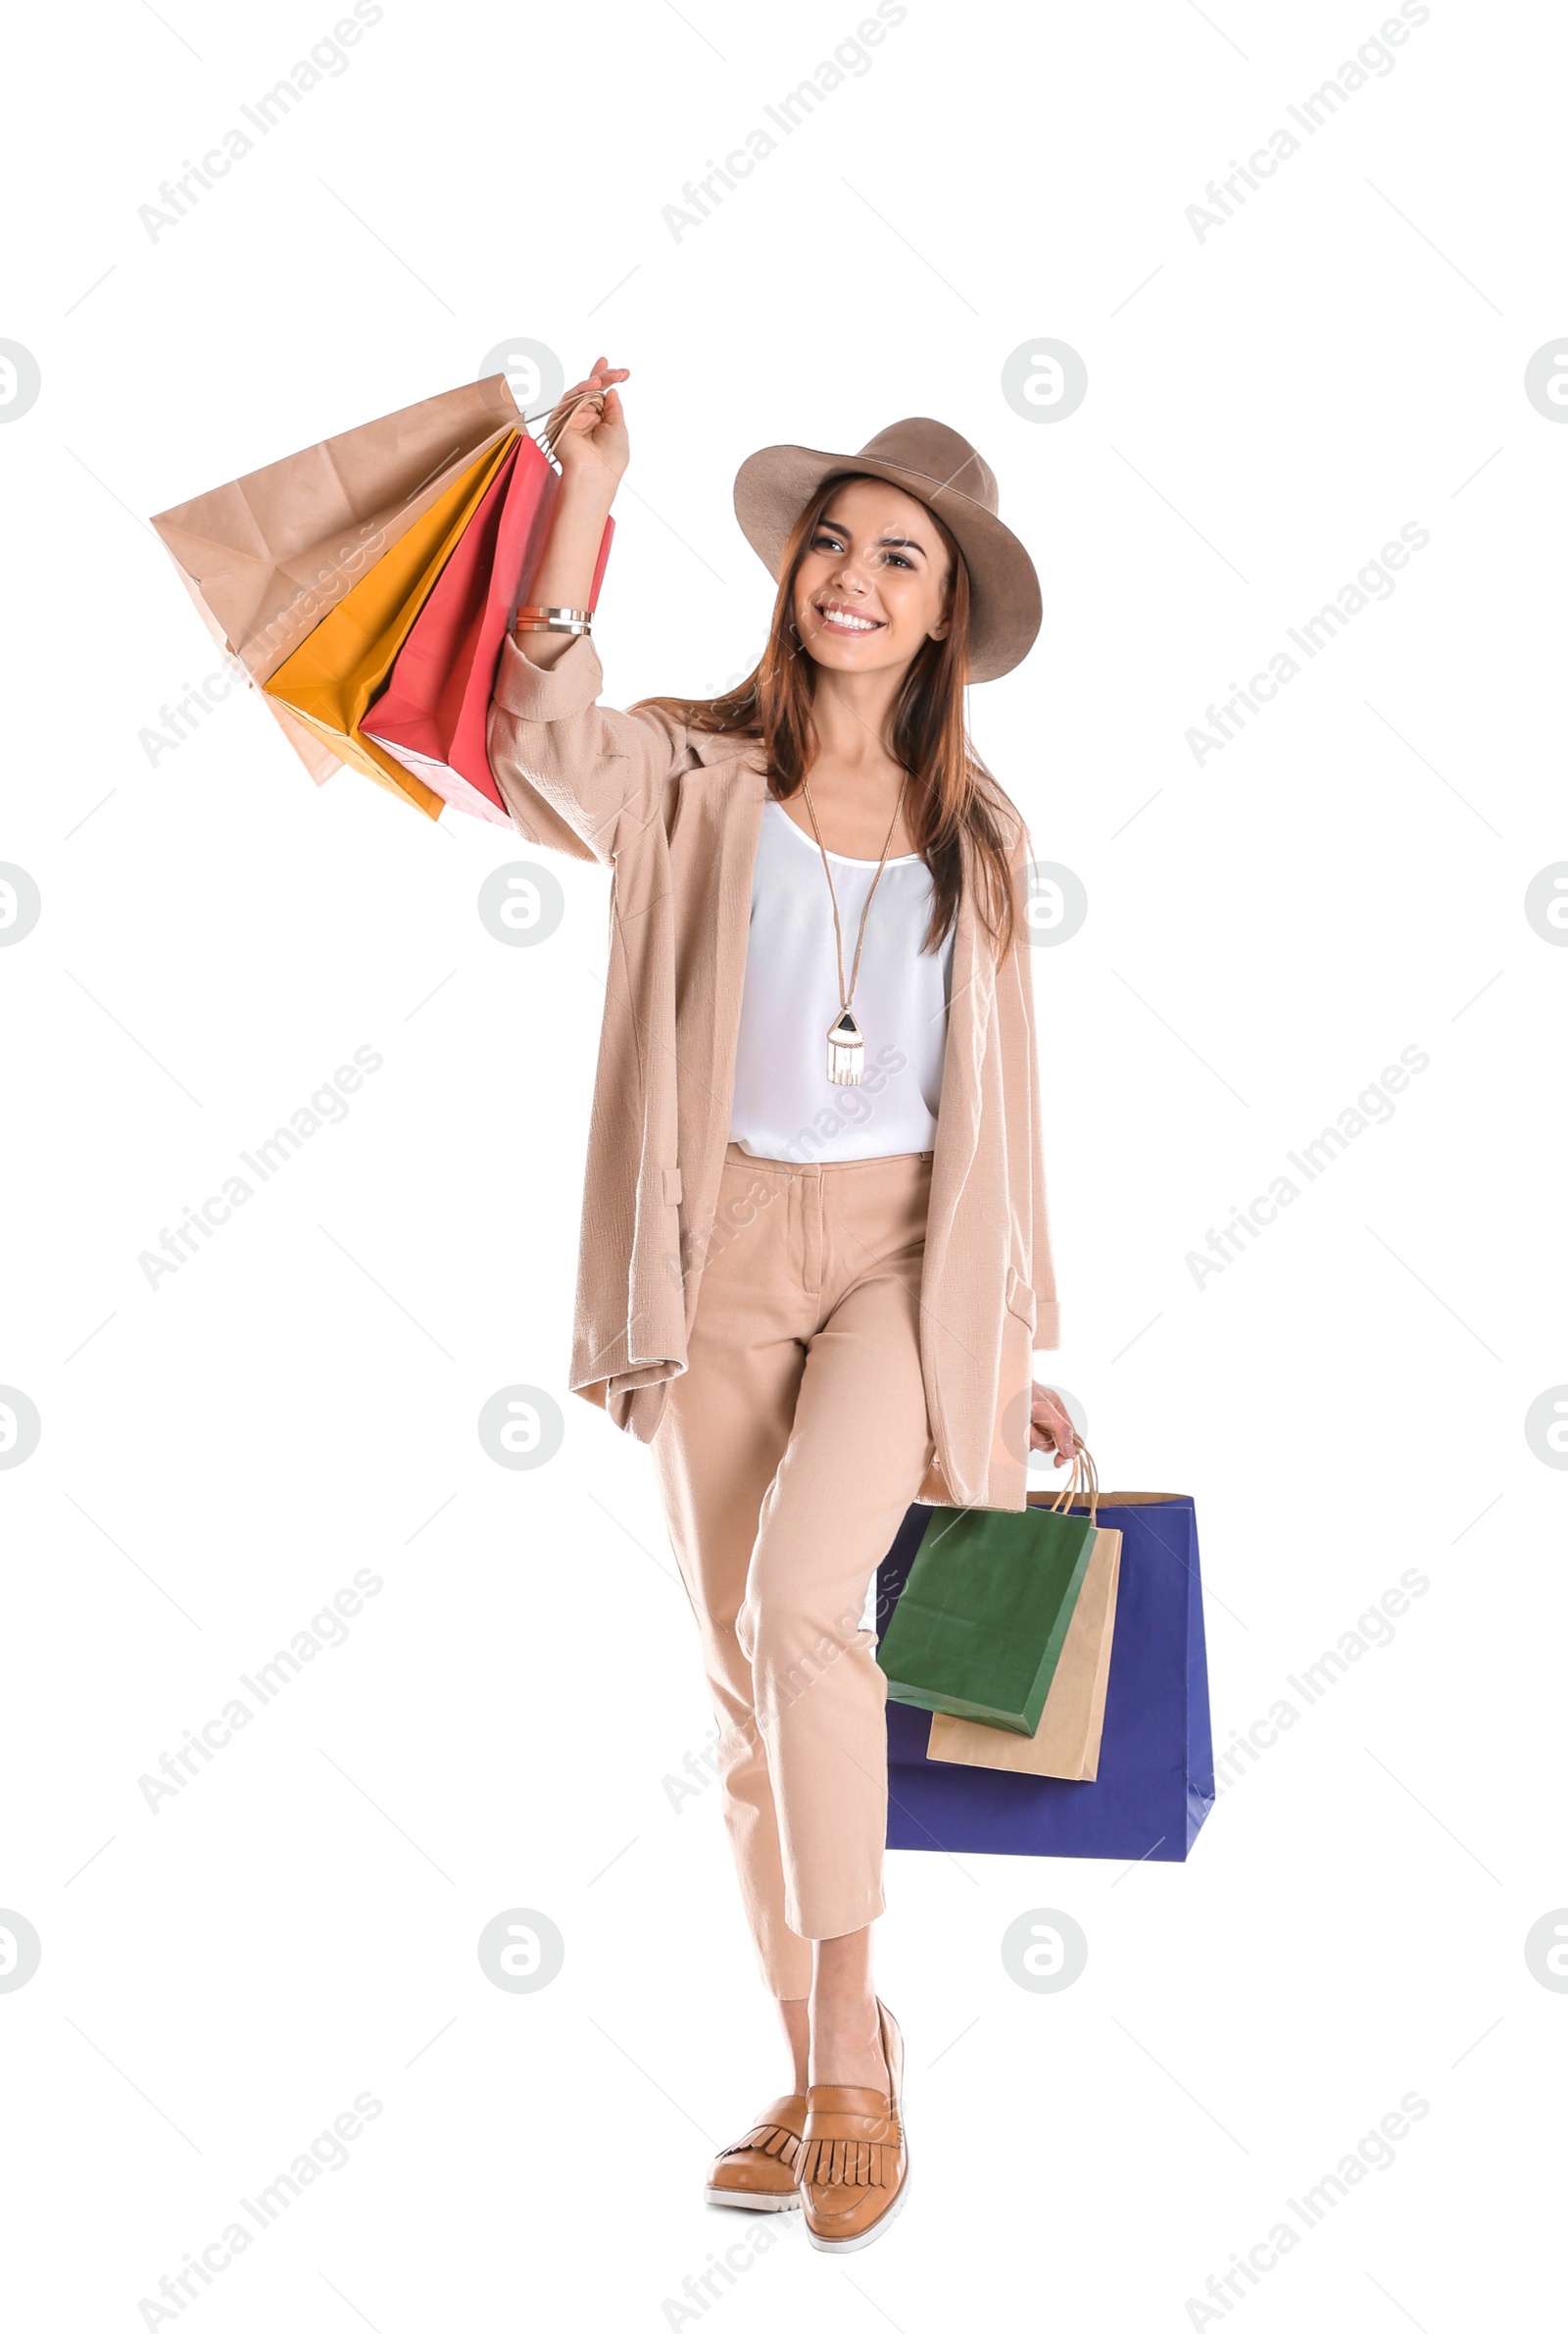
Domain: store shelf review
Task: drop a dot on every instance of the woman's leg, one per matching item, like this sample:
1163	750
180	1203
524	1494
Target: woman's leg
846	2039
726	1422
859	1448
789	1452
795	2019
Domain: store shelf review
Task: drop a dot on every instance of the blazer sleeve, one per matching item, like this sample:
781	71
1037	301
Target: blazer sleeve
577	776
1042	1267
1047	1308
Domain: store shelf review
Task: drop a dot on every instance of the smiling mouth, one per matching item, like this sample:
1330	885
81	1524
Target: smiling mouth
836	619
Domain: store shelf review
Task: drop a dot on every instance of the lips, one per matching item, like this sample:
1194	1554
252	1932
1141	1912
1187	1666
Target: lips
850	622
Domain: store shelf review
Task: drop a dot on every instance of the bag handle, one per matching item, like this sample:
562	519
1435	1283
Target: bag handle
1082	1484
543	441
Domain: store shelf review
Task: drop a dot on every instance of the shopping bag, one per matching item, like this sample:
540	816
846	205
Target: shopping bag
1066	1741
265	556
319	758
434	714
1155	1781
332	676
985	1611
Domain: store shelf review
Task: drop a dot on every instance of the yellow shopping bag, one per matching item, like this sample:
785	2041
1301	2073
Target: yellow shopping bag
336	673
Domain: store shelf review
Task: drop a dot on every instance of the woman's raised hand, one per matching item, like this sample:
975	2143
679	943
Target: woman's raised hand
592	450
589	439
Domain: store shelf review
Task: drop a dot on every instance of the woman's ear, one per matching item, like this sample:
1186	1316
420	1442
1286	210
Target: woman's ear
940	632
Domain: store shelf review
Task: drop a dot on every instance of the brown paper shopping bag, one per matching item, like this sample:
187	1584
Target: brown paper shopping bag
266	555
1066	1741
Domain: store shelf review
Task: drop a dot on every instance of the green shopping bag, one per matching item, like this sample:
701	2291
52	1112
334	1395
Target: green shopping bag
983	1618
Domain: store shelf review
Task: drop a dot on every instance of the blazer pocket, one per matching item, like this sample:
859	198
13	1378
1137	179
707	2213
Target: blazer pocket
1020	1297
672	1192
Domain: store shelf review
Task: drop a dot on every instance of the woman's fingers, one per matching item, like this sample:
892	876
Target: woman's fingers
602	376
1051	1425
588	402
587	427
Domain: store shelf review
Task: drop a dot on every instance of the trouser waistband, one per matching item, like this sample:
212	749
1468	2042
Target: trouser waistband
815	1166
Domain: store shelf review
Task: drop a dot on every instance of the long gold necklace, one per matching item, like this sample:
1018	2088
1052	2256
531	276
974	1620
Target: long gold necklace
845	1041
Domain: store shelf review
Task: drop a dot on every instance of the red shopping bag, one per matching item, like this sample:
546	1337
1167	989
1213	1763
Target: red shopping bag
433	712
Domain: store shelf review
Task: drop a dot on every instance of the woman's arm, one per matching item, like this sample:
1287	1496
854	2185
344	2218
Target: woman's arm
593	450
571	770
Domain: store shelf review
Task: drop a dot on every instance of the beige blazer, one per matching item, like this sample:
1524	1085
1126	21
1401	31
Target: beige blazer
676	814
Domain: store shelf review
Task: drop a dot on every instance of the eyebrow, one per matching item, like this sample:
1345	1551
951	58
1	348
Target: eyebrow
894	543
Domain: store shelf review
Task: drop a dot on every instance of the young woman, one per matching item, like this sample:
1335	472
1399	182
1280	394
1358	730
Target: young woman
814	1261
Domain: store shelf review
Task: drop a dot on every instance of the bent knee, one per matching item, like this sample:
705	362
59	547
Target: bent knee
788	1641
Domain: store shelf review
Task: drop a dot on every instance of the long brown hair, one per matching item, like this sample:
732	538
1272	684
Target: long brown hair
950	791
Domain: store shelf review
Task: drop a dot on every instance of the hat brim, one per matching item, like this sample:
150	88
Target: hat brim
773	486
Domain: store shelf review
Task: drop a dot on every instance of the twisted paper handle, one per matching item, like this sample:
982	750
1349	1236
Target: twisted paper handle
563	406
1083	1482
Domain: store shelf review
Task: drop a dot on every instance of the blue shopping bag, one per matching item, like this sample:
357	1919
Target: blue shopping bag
1156	1762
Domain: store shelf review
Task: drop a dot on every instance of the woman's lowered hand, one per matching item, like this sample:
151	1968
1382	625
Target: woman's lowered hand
1050	1427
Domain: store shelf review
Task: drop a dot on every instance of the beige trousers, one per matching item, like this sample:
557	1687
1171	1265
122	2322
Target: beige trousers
787	1455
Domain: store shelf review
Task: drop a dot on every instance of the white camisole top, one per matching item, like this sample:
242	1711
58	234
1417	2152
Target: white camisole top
785	1106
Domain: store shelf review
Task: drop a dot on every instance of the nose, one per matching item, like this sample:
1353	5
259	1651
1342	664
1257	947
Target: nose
848	577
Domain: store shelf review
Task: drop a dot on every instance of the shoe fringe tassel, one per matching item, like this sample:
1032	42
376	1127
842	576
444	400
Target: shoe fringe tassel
848	2164
773	2139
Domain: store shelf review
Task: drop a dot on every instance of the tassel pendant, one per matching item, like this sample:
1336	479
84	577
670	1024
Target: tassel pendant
846	1051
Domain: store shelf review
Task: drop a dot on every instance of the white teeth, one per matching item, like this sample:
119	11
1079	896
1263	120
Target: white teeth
842	616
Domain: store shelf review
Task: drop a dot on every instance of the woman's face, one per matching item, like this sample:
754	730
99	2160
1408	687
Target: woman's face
872	583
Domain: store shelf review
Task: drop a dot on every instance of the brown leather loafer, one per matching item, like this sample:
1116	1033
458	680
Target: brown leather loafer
762	2171
855	2164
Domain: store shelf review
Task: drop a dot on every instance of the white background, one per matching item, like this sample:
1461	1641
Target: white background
1267	407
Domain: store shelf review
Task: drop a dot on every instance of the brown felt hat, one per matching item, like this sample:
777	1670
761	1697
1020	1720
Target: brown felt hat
940	468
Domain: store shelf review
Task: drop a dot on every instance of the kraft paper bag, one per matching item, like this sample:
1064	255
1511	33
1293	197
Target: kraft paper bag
1066	1741
335	673
434	714
267	555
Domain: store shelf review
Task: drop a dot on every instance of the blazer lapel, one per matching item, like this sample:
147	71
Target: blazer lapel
740	830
